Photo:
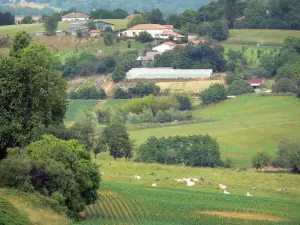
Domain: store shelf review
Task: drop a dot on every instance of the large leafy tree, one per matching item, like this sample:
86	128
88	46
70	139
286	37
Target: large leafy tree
50	24
116	137
260	160
215	93
32	93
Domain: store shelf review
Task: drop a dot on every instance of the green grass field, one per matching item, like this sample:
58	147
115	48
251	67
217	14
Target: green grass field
243	126
257	36
74	106
142	204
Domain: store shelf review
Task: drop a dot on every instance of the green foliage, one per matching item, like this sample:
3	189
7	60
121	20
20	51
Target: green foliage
57	168
108	38
213	94
156	17
22	40
33	94
184	103
50	24
219	31
231	77
108	14
90	92
196	150
260	160
239	87
27	20
144	37
142	89
6	18
116	137
9	215
284	85
141	19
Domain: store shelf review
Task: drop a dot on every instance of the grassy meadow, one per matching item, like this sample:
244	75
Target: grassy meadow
259	36
75	105
242	126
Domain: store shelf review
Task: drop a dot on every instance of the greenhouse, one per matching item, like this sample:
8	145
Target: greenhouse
168	73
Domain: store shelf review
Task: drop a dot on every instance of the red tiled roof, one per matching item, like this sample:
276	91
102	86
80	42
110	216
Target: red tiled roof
169	43
149	27
75	15
172	33
95	31
197	42
255	81
169	26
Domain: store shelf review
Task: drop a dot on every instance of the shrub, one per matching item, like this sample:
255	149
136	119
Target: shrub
260	160
144	37
231	77
260	72
73	95
239	87
119	93
284	85
184	103
213	94
142	89
103	115
191	150
90	92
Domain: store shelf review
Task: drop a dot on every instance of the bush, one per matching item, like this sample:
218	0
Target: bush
184	103
144	37
213	94
50	166
260	72
143	89
284	85
103	115
119	93
73	95
90	92
231	77
196	150
239	87
9	215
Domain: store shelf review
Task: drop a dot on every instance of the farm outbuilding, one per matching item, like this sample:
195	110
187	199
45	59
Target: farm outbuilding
168	73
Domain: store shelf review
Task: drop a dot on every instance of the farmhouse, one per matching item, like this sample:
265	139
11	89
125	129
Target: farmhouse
167	73
255	83
147	58
156	30
101	25
74	17
166	46
75	26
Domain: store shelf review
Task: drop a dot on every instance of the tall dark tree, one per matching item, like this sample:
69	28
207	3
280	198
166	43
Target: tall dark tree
6	19
50	24
116	137
32	94
156	17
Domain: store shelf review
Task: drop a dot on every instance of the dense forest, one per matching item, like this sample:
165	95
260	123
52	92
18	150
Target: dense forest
26	11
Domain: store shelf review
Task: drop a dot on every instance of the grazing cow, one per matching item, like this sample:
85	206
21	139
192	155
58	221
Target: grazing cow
254	188
137	177
202	179
179	180
248	194
195	180
222	186
153	185
190	183
226	192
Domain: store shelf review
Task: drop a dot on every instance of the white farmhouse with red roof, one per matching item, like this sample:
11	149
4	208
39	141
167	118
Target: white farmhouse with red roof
166	46
156	31
255	82
75	17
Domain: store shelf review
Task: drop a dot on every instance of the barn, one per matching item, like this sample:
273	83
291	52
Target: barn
168	73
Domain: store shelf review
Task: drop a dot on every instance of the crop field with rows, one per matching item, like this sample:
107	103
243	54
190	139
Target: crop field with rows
138	204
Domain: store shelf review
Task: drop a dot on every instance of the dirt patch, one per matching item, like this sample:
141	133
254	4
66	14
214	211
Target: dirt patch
107	193
244	215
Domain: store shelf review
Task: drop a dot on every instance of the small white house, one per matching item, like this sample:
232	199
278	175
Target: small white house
166	46
75	17
156	30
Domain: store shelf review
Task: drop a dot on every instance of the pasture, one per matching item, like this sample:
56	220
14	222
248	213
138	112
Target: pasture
142	204
259	36
242	126
74	106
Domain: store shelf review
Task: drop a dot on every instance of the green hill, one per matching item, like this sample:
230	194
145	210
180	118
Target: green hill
242	126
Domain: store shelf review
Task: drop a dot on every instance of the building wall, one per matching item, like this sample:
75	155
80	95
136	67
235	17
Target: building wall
154	33
163	48
95	34
75	19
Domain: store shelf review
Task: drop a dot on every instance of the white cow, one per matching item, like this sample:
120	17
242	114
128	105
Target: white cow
248	194
154	185
179	180
222	186
137	177
190	183
226	192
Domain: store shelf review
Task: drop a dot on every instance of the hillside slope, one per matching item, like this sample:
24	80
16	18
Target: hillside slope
242	126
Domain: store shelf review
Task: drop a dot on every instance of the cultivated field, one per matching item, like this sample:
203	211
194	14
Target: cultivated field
138	204
189	87
257	36
243	126
75	105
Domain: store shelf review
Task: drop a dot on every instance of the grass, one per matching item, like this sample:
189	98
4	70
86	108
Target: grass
74	106
119	23
34	207
244	125
259	36
121	203
114	102
11	30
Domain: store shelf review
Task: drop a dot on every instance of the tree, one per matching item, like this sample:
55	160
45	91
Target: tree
6	18
116	137
50	24
156	17
174	20
108	38
99	146
144	37
184	102
255	14
137	20
260	160
33	94
27	20
231	77
219	31
21	41
239	87
119	73
213	94
284	85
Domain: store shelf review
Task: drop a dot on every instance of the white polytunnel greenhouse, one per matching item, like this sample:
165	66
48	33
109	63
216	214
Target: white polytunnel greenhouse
167	73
